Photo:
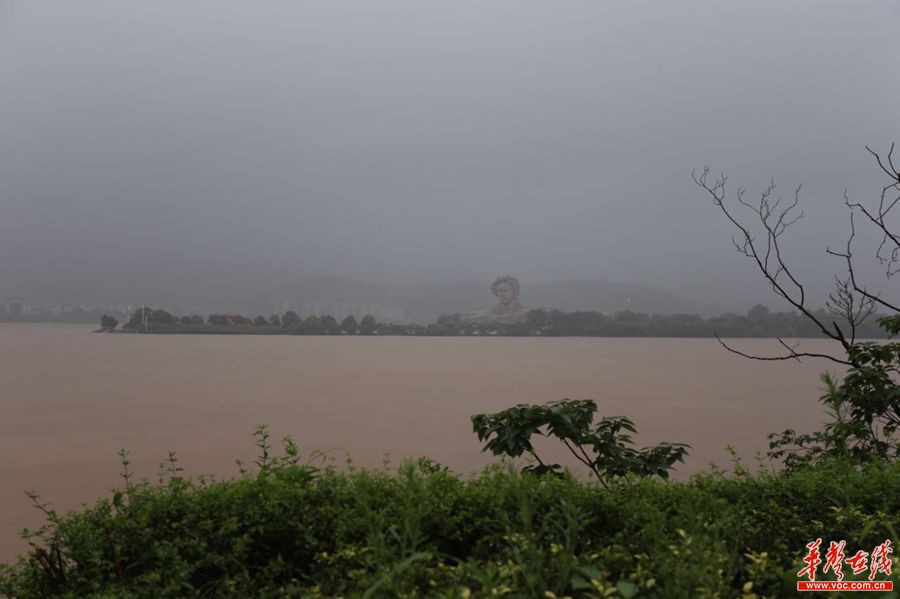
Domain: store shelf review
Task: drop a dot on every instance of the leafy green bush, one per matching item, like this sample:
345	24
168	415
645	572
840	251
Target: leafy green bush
863	410
294	529
603	447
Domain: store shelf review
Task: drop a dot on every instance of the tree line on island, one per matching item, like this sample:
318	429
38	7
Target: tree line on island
758	322
151	320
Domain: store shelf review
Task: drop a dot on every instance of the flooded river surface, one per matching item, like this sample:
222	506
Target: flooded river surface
70	399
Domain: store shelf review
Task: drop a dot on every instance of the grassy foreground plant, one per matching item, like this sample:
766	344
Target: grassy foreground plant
287	529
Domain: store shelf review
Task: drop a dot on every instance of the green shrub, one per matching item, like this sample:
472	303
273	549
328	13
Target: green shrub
605	446
292	529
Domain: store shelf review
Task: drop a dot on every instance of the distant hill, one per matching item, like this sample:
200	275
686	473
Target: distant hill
424	303
605	296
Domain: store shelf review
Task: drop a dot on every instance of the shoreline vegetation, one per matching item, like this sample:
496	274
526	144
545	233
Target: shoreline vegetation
292	527
758	322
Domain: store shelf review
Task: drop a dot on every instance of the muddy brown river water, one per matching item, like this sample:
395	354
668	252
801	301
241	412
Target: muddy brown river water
70	399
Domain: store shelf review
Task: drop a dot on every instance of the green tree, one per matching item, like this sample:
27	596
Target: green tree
349	325
330	325
312	325
291	319
162	317
367	326
758	312
138	318
108	323
260	321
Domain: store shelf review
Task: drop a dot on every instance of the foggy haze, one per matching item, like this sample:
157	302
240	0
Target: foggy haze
190	152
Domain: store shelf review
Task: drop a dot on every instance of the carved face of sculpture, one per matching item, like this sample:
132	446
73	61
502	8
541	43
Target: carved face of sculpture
505	292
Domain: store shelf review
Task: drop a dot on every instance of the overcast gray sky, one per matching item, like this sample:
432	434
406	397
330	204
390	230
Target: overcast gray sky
218	148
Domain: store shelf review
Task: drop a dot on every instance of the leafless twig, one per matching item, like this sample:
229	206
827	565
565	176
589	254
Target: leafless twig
768	256
888	252
847	255
849	306
792	354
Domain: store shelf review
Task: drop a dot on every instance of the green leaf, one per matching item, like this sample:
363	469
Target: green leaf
627	588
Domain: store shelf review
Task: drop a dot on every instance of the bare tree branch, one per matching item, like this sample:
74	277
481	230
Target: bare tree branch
844	303
792	354
774	220
847	255
888	252
878	218
850	303
892	171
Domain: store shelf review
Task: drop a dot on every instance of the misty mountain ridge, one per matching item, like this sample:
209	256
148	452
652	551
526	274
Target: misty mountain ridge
341	297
